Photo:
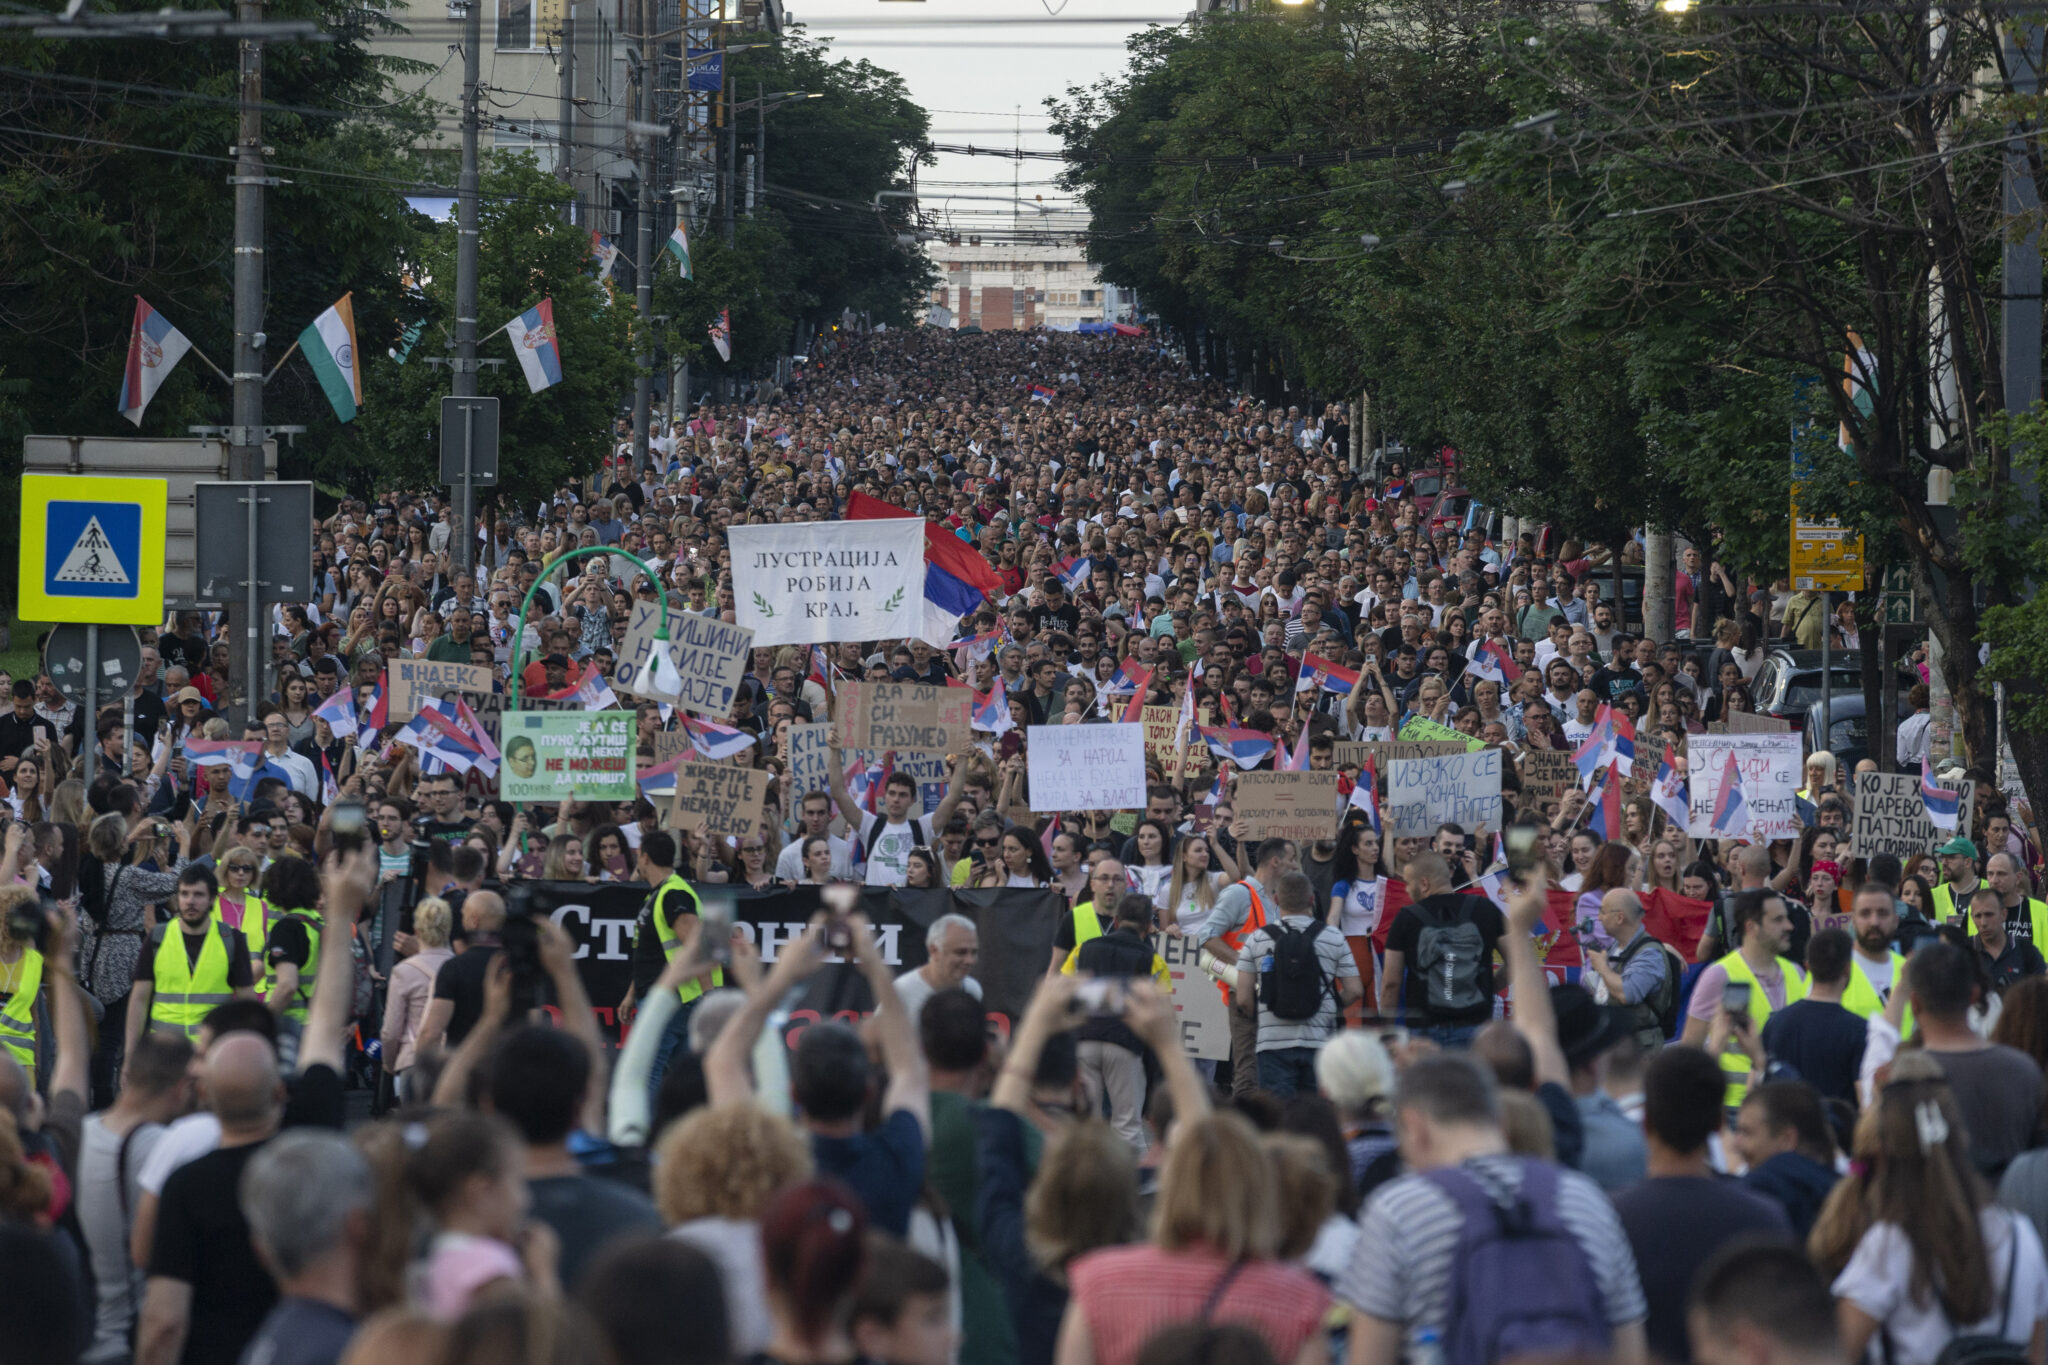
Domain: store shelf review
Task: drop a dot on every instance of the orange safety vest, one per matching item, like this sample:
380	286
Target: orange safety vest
1254	919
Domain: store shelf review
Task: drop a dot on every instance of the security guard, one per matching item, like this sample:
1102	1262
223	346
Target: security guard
1107	880
1875	969
291	894
238	906
1764	926
659	934
2026	917
21	980
192	964
1958	880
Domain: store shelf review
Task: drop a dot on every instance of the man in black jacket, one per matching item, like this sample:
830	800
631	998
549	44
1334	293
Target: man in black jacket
1112	1058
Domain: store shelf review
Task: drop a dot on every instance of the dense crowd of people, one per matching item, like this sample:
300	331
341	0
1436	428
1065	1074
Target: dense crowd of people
1785	1104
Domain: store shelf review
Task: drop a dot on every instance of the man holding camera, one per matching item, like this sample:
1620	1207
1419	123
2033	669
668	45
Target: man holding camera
191	965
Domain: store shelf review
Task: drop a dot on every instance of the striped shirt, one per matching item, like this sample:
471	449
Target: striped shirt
1335	956
1400	1270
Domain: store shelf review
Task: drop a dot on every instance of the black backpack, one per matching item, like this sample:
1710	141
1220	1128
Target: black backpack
1294	987
1449	953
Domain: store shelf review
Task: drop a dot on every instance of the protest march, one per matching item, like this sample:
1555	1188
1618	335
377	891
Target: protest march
1002	851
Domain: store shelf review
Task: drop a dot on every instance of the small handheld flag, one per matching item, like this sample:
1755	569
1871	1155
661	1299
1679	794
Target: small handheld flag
339	711
154	350
1605	821
992	710
1366	794
533	341
715	741
1668	792
329	342
1942	805
1245	748
1041	394
1731	804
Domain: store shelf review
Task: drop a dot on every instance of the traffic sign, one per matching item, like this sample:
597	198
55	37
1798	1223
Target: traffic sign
283	541
119	654
475	421
92	549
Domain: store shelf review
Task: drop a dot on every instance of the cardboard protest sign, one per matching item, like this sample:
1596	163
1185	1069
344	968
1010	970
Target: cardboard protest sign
725	797
1755	723
1352	753
1460	789
1204	1023
670	744
906	717
550	755
1891	817
810	768
710	658
815	582
1160	722
417	681
1547	774
1423	728
1086	767
1769	764
1294	805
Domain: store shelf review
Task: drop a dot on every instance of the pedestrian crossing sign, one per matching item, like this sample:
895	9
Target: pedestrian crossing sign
92	549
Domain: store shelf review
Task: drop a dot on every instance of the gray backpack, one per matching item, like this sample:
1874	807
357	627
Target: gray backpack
1448	956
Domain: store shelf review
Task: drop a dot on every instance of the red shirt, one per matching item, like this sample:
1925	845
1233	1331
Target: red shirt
1128	1293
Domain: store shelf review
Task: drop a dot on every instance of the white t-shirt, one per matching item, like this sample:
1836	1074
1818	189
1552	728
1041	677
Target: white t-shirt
1878	974
185	1141
1363	901
913	990
119	1282
1878	1274
1153	881
789	864
888	847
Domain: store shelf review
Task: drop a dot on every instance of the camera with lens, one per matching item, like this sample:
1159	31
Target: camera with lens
347	824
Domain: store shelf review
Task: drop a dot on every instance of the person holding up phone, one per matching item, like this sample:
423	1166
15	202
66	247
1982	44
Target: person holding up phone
1764	926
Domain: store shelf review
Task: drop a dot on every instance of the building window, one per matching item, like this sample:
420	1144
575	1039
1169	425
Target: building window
529	25
1087	296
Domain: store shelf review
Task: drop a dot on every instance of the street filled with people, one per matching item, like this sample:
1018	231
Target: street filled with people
1464	974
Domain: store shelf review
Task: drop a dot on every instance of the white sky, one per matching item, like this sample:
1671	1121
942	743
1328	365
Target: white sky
973	75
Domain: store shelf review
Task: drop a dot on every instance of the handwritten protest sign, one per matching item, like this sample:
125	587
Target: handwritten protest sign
1296	805
810	769
1204	1023
710	658
906	717
1547	774
550	755
1353	753
417	681
1160	722
1086	767
1423	728
670	744
1769	765
1892	818
1461	789
725	797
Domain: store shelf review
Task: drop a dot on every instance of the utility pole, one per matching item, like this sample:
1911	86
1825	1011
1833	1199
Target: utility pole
463	367
245	436
643	272
565	136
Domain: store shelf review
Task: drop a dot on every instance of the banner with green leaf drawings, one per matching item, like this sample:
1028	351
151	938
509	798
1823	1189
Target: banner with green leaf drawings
813	583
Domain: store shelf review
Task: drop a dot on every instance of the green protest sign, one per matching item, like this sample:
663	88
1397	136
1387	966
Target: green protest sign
550	755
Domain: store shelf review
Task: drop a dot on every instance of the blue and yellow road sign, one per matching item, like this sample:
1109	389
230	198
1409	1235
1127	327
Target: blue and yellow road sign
92	549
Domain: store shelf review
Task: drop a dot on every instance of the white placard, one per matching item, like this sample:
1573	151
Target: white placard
1769	765
810	767
815	582
1086	767
1459	789
710	658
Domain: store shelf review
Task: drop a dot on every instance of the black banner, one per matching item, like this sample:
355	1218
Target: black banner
1016	928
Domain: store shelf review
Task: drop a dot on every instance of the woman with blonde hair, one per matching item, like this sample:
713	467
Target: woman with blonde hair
715	1171
564	861
1919	1253
412	990
1215	1240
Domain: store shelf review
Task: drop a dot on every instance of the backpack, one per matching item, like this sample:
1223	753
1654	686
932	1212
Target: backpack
1448	955
1520	1285
1294	986
1663	1004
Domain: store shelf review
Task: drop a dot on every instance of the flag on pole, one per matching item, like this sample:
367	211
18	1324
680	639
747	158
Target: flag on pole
1942	805
1503	663
211	753
992	709
1041	394
330	791
339	711
721	334
1297	762
594	694
329	342
712	740
821	669
154	350
1731	804
1073	571
658	780
1320	673
604	253
533	341
679	246
1605	821
1366	794
1245	748
1668	792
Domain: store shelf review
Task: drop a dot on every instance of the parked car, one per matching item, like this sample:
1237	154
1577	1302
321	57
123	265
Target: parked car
1788	682
1848	732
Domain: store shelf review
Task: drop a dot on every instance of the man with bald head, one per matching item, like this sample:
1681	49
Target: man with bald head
1636	973
459	986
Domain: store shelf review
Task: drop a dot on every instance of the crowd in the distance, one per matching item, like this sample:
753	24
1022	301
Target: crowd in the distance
298	1076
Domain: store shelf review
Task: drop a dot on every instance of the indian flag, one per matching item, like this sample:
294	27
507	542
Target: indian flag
679	246
330	346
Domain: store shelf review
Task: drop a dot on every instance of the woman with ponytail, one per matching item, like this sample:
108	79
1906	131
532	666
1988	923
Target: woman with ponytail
812	1249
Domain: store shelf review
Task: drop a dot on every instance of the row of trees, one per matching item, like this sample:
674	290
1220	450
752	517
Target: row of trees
113	184
1616	257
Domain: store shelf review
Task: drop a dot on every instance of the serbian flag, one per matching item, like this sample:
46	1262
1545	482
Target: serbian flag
1073	571
1668	792
1296	762
1942	805
1366	794
973	649
594	693
533	341
154	350
474	728
1395	490
821	668
330	791
1492	662
212	753
992	709
1622	747
1129	677
863	780
658	780
714	741
1592	750
1041	394
248	770
957	580
1245	748
721	334
1731	804
339	711
1318	672
1605	821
